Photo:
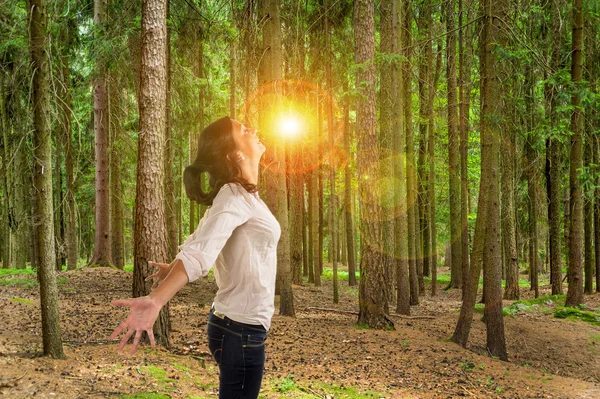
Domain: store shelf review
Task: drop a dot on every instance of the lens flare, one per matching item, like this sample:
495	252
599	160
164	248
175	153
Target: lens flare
289	125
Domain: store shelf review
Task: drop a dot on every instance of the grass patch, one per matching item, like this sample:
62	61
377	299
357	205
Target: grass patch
14	272
344	392
578	314
18	282
343	275
22	300
157	373
146	395
543	300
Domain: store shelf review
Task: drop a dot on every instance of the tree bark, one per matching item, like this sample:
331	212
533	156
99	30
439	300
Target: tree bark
411	197
44	234
553	159
372	298
574	274
150	228
399	172
102	255
271	71
387	97
332	151
456	279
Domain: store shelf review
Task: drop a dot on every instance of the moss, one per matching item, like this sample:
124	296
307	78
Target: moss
578	314
22	300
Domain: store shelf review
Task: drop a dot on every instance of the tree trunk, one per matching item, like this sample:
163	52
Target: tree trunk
117	225
65	115
574	274
169	158
486	245
271	71
399	141
464	108
102	255
411	197
553	159
331	161
453	152
507	152
44	234
6	154
386	136
348	200
150	228
372	298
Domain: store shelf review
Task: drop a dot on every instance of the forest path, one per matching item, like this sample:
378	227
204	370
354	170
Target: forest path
316	354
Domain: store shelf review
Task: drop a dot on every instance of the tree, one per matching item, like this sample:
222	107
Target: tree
456	276
101	132
271	74
372	297
403	285
574	273
553	156
331	135
387	99
42	183
411	192
150	240
486	243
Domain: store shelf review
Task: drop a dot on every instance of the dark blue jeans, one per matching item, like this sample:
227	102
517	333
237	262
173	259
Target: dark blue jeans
239	350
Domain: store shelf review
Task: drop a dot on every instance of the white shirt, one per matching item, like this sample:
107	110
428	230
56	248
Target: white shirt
239	235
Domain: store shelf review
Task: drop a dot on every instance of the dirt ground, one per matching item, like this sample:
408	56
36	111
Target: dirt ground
317	354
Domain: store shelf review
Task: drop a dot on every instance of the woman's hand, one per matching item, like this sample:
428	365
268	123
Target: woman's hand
160	274
142	315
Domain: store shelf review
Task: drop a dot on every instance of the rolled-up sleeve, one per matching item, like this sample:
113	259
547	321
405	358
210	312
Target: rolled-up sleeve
199	252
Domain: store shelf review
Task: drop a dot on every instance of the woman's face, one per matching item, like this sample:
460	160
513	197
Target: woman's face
248	143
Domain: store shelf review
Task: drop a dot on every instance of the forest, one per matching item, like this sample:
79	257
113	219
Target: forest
434	167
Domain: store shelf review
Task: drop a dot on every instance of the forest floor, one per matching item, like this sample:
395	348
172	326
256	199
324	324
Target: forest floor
318	354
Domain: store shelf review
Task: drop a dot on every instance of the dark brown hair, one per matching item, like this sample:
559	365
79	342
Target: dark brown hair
215	144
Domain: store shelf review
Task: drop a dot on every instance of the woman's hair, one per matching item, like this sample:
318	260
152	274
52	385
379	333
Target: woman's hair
216	156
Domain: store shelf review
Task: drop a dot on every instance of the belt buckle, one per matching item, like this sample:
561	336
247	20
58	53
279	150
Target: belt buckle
219	314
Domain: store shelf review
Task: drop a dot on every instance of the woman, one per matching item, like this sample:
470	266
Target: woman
239	235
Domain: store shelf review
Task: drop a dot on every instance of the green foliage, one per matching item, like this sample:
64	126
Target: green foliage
578	314
286	384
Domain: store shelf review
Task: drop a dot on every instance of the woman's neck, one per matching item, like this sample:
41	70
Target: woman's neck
250	172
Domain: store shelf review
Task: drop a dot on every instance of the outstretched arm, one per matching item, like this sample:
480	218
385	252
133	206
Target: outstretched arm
144	310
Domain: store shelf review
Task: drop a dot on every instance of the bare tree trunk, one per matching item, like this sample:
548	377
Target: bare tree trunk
456	279
348	200
44	234
331	161
7	181
65	114
102	255
387	97
507	152
464	107
372	298
271	67
574	274
553	159
150	227
486	246
410	183
169	157
116	191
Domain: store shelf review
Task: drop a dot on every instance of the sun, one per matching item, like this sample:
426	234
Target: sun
289	125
